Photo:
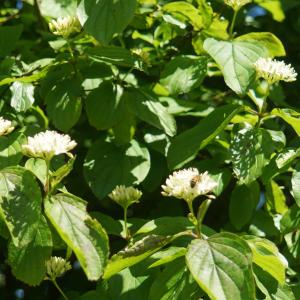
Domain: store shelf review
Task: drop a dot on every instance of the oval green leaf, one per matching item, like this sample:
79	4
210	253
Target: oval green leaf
222	267
84	235
107	165
236	60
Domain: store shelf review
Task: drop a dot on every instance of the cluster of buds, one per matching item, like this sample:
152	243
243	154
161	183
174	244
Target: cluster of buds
57	266
65	26
237	4
5	127
188	184
273	70
47	144
125	196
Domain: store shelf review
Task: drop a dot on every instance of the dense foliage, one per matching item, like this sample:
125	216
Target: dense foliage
149	149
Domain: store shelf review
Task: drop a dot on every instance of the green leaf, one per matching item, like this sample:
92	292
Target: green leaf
101	105
267	256
278	138
107	165
131	283
11	149
279	163
124	127
110	225
274	7
175	283
296	184
270	287
38	167
185	11
102	19
166	256
289	116
184	73
275	198
290	220
165	226
250	152
243	202
236	60
185	146
135	253
29	262
62	172
84	235
267	39
64	104
221	265
20	204
9	35
116	56
150	110
22	96
58	8
292	241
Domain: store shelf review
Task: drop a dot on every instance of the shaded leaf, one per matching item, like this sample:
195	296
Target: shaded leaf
107	165
64	104
104	18
183	73
20	204
101	105
150	110
243	202
29	262
11	149
185	146
9	35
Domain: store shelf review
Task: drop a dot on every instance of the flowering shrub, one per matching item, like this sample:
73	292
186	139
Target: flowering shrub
149	149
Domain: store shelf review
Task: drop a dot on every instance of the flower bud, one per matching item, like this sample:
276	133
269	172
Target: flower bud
57	266
125	196
65	26
237	4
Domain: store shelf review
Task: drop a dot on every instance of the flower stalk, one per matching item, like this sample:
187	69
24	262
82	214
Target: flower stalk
125	196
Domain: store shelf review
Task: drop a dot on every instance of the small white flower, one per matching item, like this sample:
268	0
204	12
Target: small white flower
65	26
57	266
237	4
125	196
5	127
47	144
187	184
274	70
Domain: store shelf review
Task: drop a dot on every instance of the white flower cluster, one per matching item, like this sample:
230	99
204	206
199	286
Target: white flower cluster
237	4
57	266
5	127
188	184
273	70
47	144
65	26
125	196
